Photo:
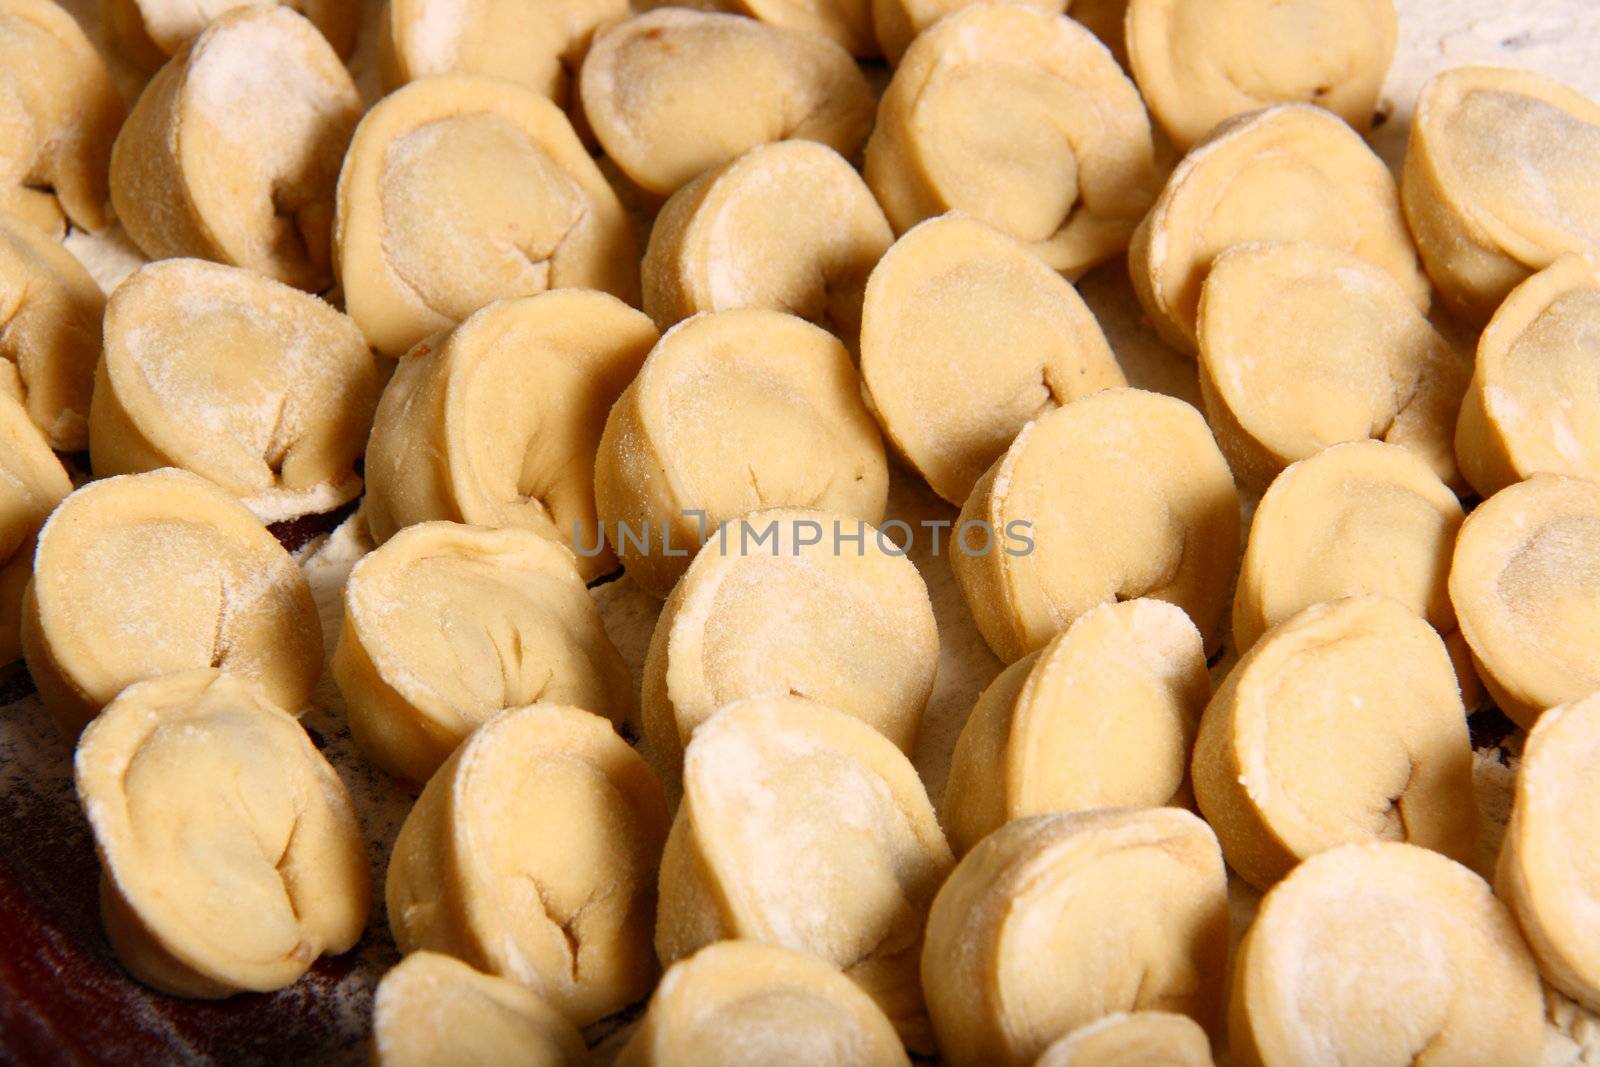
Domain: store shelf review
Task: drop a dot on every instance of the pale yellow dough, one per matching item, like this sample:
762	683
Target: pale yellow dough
732	412
446	625
966	336
1384	954
674	92
805	828
744	1004
431	1010
1122	494
788	225
898	22
1288	173
532	855
1525	582
1303	346
1133	1039
460	190
1532	408
231	854
497	422
32	483
1199	62
1055	921
260	388
233	149
1499	181
1020	118
1102	717
50	312
149	32
1342	724
148	574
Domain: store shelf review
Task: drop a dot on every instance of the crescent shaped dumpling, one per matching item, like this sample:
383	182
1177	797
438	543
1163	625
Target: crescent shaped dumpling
804	614
1529	409
264	390
1020	118
531	854
733	411
150	574
497	422
1055	921
447	625
431	1009
1122	494
50	313
32	483
233	150
59	113
461	190
738	1003
1444	976
231	855
1342	724
1303	346
1288	173
966	336
803	827
1198	62
1498	181
674	92
1525	582
899	22
149	32
1103	716
789	225
1133	1039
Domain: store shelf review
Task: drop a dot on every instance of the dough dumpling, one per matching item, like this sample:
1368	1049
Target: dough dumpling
149	32
899	22
32	483
1133	1039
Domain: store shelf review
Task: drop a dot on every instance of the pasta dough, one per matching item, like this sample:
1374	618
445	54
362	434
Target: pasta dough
1132	1039
738	1003
1288	173
899	22
966	337
447	625
1055	921
788	225
1021	119
733	411
805	828
1498	181
497	423
233	149
32	483
848	22
1121	494
230	851
1341	724
1304	346
1444	973
149	32
150	574
531	854
461	190
259	388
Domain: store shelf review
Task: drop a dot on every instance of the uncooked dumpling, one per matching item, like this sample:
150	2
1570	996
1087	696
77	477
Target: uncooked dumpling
732	412
1133	1039
532	855
32	483
233	149
230	851
1055	921
262	389
1020	118
461	190
803	827
1499	181
674	92
149	32
497	422
899	22
1101	717
741	1003
447	625
1384	954
148	574
1121	494
966	336
788	225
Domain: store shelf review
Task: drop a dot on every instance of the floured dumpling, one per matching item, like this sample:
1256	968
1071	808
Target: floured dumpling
1133	1039
32	483
149	32
899	22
